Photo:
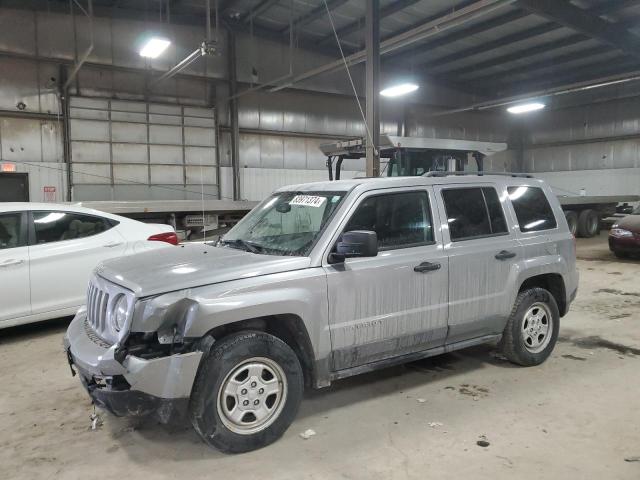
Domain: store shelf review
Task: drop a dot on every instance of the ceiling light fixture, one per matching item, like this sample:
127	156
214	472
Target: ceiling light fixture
399	90
154	47
526	107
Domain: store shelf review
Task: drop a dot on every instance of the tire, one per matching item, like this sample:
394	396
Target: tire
620	254
588	223
515	343
572	221
243	364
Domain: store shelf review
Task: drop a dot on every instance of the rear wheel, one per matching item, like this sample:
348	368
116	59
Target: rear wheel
532	330
620	254
588	223
247	392
572	221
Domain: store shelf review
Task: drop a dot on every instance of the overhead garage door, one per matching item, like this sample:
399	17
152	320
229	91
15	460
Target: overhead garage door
125	150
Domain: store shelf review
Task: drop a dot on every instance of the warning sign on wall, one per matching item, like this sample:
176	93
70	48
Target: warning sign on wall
49	194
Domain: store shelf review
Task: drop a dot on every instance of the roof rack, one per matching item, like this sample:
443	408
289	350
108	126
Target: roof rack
479	174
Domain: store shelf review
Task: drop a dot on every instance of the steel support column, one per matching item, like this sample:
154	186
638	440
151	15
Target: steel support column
373	86
233	114
63	98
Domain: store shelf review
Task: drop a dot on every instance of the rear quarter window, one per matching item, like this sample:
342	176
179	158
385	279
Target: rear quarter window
473	212
533	211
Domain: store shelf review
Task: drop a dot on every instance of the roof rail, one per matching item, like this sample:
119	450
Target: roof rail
479	174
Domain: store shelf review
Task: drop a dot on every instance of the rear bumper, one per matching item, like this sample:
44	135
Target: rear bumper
137	386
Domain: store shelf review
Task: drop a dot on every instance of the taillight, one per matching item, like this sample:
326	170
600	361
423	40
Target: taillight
169	237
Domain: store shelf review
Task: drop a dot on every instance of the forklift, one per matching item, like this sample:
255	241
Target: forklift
413	156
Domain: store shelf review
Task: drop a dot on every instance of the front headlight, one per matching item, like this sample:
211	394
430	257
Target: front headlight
120	312
620	232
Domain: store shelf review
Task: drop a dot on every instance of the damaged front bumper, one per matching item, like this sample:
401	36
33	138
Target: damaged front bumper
135	386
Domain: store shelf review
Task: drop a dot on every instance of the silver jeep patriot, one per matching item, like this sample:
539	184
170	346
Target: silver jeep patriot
319	282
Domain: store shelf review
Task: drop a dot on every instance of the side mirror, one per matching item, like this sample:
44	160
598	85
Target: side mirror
358	243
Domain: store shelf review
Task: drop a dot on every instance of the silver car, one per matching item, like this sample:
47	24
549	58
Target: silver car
320	282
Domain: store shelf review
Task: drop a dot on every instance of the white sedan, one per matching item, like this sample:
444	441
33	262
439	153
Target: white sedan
48	251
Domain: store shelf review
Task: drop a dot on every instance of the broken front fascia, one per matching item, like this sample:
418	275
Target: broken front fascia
134	385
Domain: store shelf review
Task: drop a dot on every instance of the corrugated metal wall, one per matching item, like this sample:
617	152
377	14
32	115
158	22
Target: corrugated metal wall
280	132
595	147
35	147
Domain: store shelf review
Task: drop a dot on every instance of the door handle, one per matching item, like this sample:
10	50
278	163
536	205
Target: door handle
112	244
505	255
10	263
426	267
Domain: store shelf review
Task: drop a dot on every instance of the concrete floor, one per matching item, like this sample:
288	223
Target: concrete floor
575	417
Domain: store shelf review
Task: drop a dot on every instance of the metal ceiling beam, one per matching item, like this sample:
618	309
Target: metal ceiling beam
410	56
259	10
276	36
314	15
561	60
359	24
611	6
566	88
517	55
582	73
580	20
484	47
426	30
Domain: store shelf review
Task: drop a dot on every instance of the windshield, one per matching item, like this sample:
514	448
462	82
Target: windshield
287	223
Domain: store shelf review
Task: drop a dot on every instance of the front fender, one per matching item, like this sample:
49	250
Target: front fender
191	313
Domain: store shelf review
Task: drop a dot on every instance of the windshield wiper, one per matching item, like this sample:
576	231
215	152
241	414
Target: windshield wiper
245	245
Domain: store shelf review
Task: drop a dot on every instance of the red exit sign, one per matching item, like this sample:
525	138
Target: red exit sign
7	167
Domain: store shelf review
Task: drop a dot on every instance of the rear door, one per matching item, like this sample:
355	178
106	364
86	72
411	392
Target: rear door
395	303
483	252
14	266
64	249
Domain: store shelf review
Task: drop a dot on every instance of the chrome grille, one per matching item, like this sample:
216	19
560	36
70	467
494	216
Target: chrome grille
91	333
97	302
100	297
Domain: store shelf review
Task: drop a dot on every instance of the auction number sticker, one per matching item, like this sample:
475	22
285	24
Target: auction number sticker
308	201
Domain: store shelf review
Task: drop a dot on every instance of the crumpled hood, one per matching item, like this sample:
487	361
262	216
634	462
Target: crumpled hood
630	222
191	265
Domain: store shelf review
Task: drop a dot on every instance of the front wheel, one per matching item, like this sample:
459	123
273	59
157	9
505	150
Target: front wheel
532	329
247	392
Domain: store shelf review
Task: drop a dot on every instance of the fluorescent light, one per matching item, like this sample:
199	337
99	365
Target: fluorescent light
526	107
154	47
398	90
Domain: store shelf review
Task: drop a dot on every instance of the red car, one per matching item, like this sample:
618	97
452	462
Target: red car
624	237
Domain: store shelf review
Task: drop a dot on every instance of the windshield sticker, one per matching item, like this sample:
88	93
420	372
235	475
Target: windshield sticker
308	201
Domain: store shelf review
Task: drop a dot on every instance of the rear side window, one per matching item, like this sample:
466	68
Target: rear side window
11	235
400	220
52	226
473	213
532	209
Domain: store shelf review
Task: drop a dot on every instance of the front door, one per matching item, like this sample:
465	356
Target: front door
483	257
14	266
395	303
65	248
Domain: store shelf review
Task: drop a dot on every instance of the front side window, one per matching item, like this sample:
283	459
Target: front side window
532	209
11	235
288	223
473	212
400	220
52	226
